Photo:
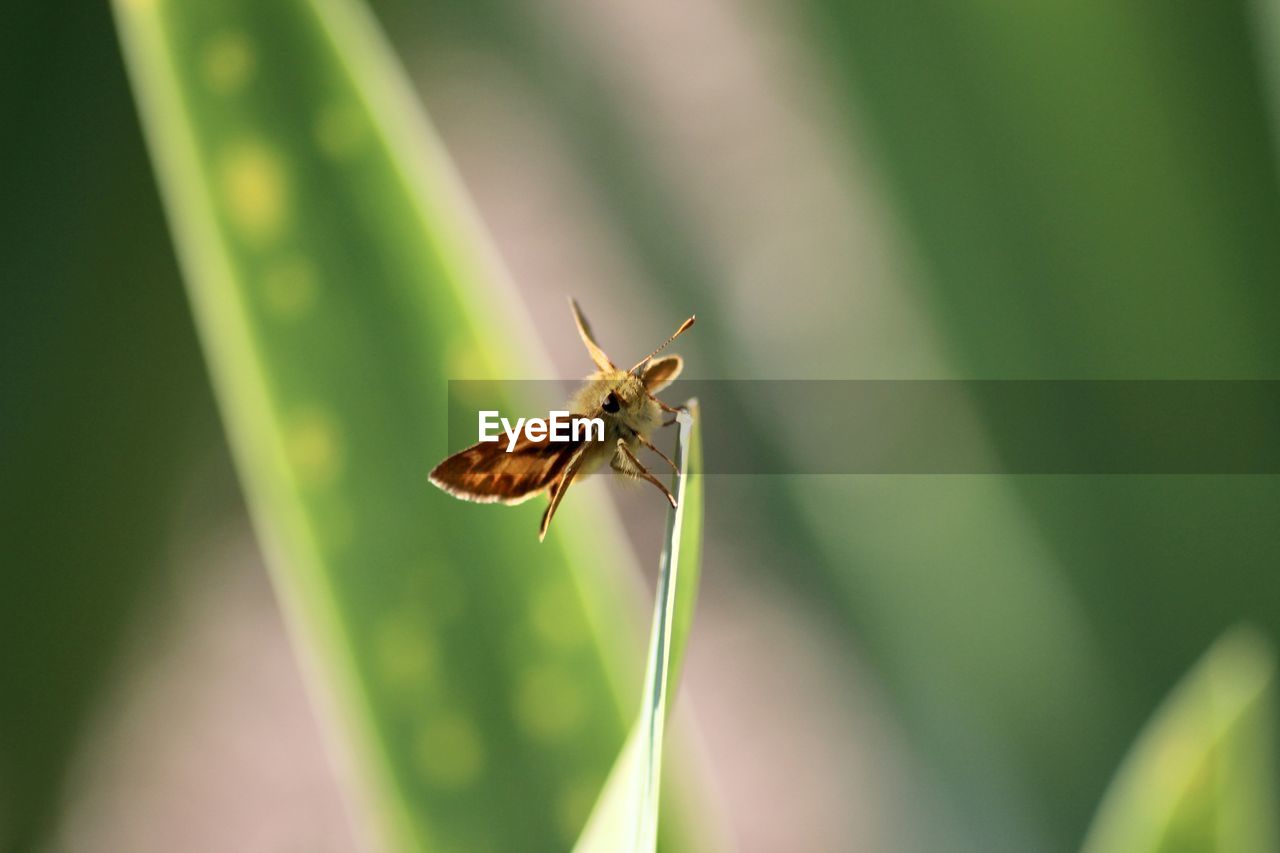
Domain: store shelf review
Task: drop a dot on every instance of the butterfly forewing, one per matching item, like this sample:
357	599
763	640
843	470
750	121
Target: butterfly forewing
487	473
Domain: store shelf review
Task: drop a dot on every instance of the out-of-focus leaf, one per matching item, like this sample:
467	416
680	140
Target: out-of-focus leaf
337	282
103	401
626	815
1266	32
1060	172
1201	775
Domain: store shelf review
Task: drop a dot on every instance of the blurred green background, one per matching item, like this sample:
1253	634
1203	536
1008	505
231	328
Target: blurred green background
839	190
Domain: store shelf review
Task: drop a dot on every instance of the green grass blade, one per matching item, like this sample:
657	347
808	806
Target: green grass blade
1200	777
337	283
626	815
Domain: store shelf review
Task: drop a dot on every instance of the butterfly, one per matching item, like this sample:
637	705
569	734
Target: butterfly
625	400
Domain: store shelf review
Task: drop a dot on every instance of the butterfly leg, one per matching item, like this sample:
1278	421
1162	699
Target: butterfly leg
637	469
646	443
558	488
674	410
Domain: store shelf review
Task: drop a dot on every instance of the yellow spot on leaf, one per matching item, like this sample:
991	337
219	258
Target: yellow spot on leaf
440	592
289	286
314	447
549	703
340	129
228	63
405	652
448	751
254	190
556	618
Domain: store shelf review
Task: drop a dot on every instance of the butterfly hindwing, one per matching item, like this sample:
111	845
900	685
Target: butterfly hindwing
598	356
660	373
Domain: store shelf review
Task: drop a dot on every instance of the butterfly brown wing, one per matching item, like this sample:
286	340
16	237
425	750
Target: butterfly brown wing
487	473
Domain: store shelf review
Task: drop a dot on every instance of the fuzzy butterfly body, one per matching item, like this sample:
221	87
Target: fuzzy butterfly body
623	399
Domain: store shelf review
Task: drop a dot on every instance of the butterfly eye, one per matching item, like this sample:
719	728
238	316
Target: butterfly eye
611	403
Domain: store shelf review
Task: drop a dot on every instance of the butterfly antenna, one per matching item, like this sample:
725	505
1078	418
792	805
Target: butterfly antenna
684	327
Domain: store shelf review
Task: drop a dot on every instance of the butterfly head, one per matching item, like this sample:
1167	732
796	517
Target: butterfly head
626	397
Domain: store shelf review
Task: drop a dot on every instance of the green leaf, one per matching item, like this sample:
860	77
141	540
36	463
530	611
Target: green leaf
338	281
87	502
626	815
1066	145
1265	21
1200	777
